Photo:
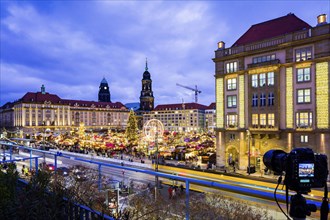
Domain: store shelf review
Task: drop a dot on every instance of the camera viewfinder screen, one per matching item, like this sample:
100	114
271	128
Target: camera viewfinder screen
306	170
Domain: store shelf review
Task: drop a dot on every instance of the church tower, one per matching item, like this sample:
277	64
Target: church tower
104	92
146	97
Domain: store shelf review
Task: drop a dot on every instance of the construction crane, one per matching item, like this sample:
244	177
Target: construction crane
193	89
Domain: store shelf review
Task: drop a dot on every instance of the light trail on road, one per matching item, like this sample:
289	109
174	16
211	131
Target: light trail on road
116	173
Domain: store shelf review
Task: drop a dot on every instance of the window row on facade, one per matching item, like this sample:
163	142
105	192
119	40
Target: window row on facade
301	54
304	119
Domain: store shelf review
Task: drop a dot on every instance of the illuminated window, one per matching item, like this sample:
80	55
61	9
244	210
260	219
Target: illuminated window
231	84
303	54
304	95
270	78
262	79
271	120
254	100
263	99
231	67
304	119
271	99
231	121
255	81
303	138
231	101
255	120
263	120
303	75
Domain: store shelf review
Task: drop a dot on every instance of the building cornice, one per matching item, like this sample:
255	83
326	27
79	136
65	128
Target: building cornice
287	42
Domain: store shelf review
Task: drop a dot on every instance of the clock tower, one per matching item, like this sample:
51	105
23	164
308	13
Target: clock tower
104	92
146	97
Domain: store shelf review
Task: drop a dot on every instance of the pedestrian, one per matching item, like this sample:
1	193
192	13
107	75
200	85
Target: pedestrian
170	190
181	188
23	168
173	193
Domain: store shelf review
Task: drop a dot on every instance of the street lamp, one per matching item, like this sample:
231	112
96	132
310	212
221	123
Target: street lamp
249	151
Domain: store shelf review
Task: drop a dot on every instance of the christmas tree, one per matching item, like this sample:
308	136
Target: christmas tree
132	129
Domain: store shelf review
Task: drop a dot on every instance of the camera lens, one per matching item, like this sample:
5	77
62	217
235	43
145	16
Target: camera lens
275	160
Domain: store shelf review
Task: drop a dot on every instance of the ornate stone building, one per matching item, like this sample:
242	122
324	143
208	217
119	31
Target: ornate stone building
272	90
39	110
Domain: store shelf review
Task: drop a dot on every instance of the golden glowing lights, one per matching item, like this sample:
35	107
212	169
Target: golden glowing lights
241	101
221	45
303	65
321	18
289	98
219	103
322	95
263	70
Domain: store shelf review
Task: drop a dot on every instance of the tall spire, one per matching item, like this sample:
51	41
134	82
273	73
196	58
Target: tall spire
43	89
146	64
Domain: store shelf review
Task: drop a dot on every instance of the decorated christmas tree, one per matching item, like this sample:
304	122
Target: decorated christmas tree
132	129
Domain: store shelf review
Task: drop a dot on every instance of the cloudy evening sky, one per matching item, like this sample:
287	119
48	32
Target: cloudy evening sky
70	45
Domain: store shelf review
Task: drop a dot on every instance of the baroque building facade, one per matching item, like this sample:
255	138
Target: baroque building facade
272	91
39	110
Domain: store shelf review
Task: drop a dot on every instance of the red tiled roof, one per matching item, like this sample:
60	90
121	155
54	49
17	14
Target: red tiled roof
38	97
180	106
211	106
272	28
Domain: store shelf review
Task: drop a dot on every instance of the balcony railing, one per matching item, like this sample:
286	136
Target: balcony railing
304	127
231	126
266	63
263	127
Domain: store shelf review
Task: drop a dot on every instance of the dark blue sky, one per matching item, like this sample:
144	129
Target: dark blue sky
70	45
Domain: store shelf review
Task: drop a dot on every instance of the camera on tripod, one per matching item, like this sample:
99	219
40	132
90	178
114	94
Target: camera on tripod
303	170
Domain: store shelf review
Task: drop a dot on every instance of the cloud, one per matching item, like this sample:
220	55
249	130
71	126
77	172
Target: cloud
71	57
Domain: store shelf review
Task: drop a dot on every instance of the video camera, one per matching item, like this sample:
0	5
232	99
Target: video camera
303	169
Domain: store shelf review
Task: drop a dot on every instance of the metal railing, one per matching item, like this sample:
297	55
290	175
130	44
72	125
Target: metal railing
232	188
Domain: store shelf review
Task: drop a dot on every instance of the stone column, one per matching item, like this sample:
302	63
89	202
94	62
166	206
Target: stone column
243	148
220	149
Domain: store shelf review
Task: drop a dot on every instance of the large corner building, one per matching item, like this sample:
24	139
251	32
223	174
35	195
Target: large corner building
272	90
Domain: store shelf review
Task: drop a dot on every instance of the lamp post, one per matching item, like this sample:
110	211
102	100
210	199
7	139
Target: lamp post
249	151
156	165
